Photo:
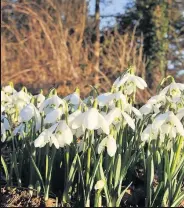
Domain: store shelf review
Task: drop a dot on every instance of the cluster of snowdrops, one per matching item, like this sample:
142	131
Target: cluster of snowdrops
97	142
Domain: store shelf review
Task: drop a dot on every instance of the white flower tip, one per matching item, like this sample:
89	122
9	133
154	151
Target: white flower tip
99	184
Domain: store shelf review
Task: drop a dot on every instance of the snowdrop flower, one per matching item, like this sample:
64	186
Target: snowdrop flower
51	103
99	184
21	130
146	109
63	134
107	99
79	131
59	134
110	143
130	82
169	124
40	99
9	90
92	120
116	113
54	115
149	133
174	90
5	98
29	112
4	127
3	133
47	136
20	100
153	105
21	95
88	100
129	109
74	98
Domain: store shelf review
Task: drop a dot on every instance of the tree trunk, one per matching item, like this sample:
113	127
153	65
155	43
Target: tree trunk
158	43
97	41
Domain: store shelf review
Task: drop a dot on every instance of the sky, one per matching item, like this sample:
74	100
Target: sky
108	7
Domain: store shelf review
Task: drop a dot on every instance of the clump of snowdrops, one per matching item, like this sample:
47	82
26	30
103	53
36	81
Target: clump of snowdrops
97	142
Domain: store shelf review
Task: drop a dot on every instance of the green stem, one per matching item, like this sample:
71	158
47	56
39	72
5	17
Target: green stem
67	157
89	158
47	188
15	164
97	199
46	161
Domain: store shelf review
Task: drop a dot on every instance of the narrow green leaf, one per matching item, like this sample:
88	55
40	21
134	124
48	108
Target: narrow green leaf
178	185
107	196
91	181
150	177
5	168
117	170
177	202
121	195
82	178
156	193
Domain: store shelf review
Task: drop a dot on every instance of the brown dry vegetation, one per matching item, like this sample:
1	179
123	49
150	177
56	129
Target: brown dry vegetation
48	51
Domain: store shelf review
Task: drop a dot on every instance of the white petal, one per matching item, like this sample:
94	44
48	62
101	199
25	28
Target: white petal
3	137
122	80
53	116
8	89
146	109
78	121
2	108
105	98
78	132
38	119
6	124
91	119
27	113
112	115
111	146
144	84
181	86
57	101
164	91
129	120
3	130
23	96
72	116
99	185
103	124
180	114
160	119
102	145
178	125
137	80
54	141
74	98
116	81
165	129
146	133
42	140
137	112
66	135
40	99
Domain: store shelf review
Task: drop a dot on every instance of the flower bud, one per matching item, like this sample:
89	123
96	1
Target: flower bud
99	184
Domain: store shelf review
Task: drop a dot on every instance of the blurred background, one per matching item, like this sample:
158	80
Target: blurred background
70	43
